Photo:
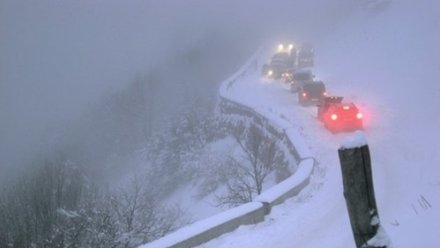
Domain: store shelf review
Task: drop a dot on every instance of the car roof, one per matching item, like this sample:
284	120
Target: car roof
314	85
317	83
303	70
350	105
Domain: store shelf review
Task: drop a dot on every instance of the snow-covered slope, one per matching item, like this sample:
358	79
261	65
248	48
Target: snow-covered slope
388	63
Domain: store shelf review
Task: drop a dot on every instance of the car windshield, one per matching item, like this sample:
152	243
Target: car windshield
302	76
314	87
306	53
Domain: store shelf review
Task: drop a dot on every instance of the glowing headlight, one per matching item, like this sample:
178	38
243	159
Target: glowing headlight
280	47
290	47
270	72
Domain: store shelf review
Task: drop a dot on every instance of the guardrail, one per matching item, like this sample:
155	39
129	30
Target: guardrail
204	230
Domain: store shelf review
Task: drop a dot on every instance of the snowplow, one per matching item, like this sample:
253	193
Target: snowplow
280	63
286	48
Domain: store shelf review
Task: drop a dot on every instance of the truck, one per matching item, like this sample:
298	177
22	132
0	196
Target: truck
306	56
280	63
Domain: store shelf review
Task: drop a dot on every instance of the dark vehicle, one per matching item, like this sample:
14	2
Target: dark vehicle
276	70
306	55
299	78
290	48
287	76
306	58
338	116
313	92
284	58
280	63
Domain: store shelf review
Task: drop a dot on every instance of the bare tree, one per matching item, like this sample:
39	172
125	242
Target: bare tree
239	184
262	154
246	177
56	206
140	218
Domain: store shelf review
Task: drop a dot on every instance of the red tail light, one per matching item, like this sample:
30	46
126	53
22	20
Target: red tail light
304	94
324	93
359	115
334	117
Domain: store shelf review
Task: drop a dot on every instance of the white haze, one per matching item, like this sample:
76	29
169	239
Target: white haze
59	57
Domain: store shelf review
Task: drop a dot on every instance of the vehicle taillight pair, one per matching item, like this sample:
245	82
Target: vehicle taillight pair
334	117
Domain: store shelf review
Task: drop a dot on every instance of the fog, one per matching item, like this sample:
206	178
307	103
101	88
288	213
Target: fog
58	58
107	109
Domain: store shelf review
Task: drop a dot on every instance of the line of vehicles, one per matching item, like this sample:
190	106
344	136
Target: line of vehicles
292	66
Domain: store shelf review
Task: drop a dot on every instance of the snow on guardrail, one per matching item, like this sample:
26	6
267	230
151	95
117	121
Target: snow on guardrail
204	230
290	186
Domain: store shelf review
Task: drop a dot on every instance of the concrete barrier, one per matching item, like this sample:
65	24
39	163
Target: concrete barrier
204	230
290	187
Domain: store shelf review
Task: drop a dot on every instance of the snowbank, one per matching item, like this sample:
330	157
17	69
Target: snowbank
289	187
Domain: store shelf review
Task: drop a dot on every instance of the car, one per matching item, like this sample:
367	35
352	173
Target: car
287	76
338	116
299	78
312	93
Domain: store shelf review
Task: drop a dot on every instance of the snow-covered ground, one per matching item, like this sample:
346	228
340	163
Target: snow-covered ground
191	198
388	63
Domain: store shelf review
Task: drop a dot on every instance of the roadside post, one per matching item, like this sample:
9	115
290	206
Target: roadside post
357	177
